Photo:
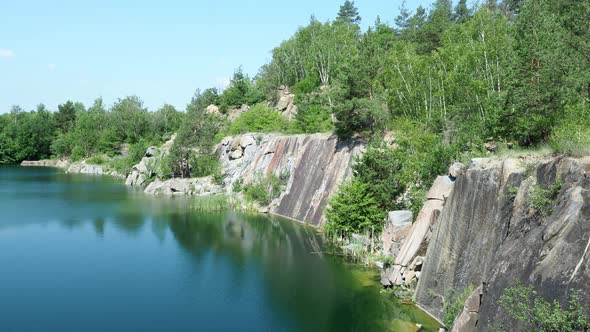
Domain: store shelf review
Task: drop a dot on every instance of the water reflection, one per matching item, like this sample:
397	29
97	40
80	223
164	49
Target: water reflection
266	273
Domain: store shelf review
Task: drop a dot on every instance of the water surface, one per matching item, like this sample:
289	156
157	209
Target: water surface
85	253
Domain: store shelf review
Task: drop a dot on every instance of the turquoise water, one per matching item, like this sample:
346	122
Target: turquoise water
85	253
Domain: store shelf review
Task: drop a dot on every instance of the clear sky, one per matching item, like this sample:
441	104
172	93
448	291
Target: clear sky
161	51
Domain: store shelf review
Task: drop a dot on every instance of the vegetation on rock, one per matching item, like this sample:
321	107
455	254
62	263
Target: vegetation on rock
523	304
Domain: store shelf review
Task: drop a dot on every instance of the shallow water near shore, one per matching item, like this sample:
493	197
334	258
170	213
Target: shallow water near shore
86	253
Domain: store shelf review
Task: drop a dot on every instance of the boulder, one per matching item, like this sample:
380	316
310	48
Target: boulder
455	170
290	112
212	109
441	188
151	151
236	112
284	102
91	169
236	154
417	263
409	277
246	141
395	231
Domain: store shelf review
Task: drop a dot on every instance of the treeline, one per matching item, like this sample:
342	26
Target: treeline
120	134
76	132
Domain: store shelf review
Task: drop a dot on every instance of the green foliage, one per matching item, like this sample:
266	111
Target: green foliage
204	165
238	186
398	176
66	116
263	190
194	143
136	151
313	116
260	119
454	303
353	209
523	304
359	116
571	136
542	199
241	90
97	160
130	119
348	13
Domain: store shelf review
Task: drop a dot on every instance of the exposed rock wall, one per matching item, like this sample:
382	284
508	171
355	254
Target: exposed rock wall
488	235
314	165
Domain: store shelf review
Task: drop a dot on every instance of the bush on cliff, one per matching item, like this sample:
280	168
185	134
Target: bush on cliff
572	135
263	190
354	210
523	304
398	176
259	119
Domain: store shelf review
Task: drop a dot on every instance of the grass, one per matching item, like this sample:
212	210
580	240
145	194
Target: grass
210	203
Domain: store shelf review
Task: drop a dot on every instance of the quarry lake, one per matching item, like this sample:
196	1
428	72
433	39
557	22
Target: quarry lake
85	253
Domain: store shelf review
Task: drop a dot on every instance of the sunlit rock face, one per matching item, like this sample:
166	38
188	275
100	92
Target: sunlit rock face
489	234
313	166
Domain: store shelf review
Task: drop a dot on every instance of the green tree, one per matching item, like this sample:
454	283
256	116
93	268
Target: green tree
348	13
353	209
65	117
462	13
130	119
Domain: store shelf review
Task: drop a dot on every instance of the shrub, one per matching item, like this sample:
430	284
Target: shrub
399	176
259	118
541	199
204	165
123	165
454	303
313	118
305	86
264	189
523	304
359	116
78	153
97	160
353	209
572	135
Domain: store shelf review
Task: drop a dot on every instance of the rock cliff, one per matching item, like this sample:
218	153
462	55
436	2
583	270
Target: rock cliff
491	234
314	165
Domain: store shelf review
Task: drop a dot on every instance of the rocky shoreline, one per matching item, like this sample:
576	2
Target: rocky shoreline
69	167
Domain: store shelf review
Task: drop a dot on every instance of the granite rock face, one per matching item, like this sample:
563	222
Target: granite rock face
489	235
314	166
414	241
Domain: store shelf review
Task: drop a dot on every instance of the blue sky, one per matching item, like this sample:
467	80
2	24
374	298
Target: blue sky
52	51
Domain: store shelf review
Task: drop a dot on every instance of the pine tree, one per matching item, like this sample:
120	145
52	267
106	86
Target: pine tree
348	13
402	21
462	11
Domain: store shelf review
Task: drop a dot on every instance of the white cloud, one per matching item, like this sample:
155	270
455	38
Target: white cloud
6	53
51	66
